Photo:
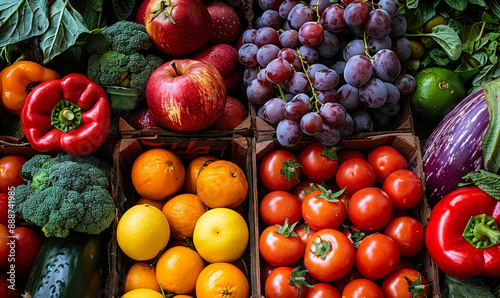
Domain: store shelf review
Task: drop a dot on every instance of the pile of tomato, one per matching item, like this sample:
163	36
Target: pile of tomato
337	223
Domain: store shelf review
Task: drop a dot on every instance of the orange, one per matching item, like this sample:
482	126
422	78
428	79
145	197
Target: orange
182	296
157	174
222	184
154	203
182	212
178	268
222	280
220	235
193	169
142	232
141	275
142	293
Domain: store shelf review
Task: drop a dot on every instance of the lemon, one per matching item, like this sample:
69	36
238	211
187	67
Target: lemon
142	293
142	232
220	235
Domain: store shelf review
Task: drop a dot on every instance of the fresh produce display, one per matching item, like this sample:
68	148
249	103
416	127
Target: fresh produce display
326	70
188	148
192	237
322	252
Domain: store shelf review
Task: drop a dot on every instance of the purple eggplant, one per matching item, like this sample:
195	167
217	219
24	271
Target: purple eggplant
454	148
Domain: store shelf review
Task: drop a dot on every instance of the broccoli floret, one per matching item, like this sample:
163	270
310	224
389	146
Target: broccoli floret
71	194
99	210
36	164
119	56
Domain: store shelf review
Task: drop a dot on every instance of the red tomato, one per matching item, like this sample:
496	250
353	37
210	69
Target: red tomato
265	270
404	263
319	163
352	275
273	164
362	288
321	210
4	247
27	244
404	188
277	205
377	256
330	256
350	154
370	209
278	249
385	160
10	171
354	175
305	232
278	286
408	233
4	209
300	190
396	286
322	290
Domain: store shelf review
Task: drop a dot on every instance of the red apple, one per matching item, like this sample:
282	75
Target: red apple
226	23
225	59
141	12
141	118
186	95
234	113
178	27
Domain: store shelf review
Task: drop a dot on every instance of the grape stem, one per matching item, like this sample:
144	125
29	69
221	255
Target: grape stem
373	4
366	46
282	94
305	66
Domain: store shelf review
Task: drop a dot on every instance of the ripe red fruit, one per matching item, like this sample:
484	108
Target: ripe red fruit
234	113
178	27
226	23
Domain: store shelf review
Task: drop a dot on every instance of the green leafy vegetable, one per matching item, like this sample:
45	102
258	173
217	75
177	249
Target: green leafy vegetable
91	11
491	139
66	24
20	20
420	12
467	287
447	38
457	4
123	8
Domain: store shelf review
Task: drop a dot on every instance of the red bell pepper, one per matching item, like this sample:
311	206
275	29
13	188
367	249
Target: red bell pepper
71	114
462	235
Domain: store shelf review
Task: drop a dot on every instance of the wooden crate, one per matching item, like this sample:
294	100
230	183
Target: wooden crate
406	144
237	150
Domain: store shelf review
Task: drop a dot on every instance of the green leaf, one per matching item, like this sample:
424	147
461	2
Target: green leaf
481	57
286	230
484	75
330	152
457	4
448	39
20	20
478	2
495	8
91	11
466	75
487	18
66	24
491	139
439	56
488	182
123	8
467	287
416	17
412	4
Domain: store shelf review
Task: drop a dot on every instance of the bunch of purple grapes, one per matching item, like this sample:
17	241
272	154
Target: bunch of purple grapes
326	70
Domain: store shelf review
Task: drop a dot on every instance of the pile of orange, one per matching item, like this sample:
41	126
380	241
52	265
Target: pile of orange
183	232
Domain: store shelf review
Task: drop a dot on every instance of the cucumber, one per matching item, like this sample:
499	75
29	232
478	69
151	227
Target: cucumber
67	267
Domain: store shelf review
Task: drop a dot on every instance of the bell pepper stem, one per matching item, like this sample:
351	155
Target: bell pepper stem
66	116
482	231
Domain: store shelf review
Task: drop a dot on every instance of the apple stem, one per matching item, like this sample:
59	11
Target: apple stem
175	68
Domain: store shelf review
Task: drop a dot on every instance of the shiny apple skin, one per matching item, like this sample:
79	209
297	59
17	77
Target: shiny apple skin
192	28
189	97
